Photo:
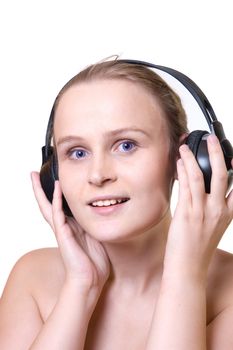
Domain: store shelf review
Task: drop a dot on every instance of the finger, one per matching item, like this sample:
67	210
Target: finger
184	191
219	171
66	239
229	203
194	176
75	226
43	203
229	199
63	230
59	219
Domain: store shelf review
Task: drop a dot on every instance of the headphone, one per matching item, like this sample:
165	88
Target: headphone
196	140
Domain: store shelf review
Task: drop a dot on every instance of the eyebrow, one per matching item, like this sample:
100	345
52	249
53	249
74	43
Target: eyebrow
107	134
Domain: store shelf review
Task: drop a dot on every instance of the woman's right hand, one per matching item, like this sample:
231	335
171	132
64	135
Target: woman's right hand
85	260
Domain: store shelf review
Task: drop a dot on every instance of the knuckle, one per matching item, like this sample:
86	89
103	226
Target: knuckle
198	215
217	213
222	175
197	176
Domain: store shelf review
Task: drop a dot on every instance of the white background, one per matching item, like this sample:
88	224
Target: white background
45	43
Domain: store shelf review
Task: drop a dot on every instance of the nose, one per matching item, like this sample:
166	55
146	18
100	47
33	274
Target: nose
101	170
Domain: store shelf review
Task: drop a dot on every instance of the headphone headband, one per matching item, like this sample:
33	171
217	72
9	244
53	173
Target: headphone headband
196	140
190	85
214	125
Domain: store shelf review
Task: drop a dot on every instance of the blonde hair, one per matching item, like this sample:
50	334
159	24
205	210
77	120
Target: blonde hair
169	101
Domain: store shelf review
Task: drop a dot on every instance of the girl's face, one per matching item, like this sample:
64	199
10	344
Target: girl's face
112	143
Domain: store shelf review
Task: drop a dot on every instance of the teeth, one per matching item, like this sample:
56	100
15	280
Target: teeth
106	203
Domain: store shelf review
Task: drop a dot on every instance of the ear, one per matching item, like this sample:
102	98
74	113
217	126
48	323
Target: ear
182	140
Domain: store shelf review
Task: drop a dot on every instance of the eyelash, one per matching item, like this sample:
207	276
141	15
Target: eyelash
75	150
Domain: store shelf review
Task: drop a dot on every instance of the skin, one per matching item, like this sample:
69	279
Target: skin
137	270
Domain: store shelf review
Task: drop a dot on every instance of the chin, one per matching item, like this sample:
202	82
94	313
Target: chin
106	233
117	233
120	227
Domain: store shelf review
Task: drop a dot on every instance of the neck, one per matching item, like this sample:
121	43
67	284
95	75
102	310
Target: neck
138	263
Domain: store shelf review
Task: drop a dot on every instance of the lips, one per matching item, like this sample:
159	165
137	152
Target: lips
108	210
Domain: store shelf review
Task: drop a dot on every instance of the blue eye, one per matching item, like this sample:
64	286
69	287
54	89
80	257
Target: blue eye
77	154
127	145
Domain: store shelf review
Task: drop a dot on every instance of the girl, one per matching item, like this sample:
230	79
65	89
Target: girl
126	274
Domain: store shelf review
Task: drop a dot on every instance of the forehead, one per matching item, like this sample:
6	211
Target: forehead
107	104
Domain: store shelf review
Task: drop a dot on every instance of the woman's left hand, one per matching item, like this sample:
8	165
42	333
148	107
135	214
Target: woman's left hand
200	219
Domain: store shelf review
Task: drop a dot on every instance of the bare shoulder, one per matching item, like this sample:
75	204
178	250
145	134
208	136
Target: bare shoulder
221	269
29	296
220	301
38	274
40	266
220	283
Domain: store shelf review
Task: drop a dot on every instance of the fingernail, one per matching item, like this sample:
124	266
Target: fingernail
180	162
184	148
213	139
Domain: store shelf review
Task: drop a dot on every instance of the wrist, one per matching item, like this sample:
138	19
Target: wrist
184	273
81	293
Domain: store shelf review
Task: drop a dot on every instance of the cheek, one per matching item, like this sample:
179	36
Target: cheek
153	191
145	179
150	174
72	184
146	185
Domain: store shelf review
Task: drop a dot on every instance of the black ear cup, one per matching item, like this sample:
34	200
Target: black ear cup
197	142
48	176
